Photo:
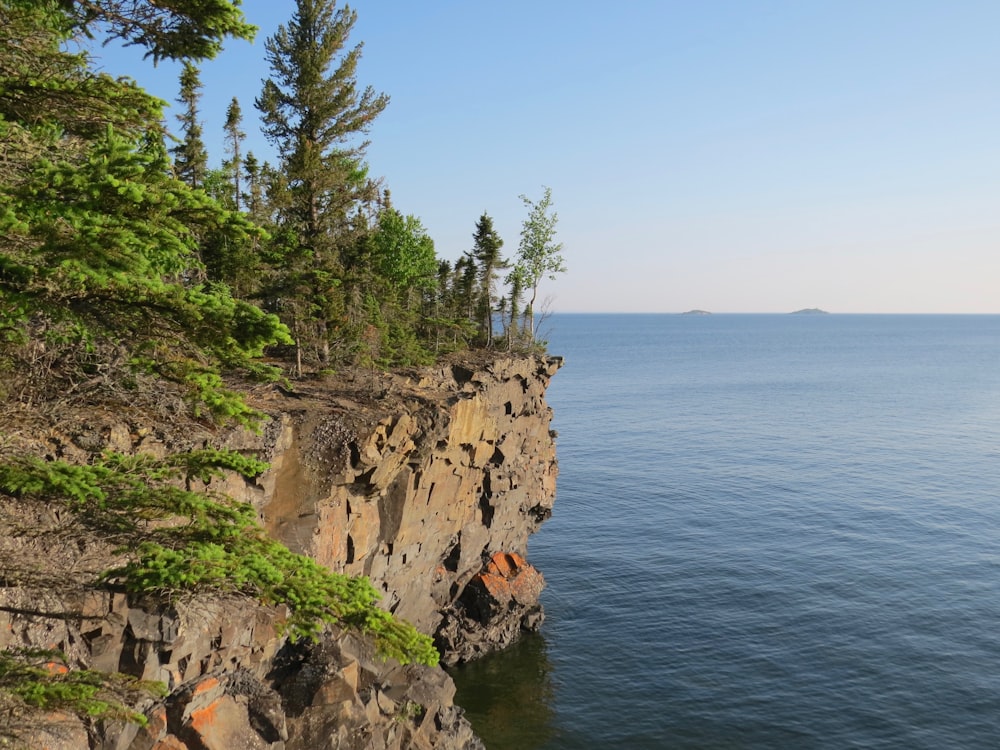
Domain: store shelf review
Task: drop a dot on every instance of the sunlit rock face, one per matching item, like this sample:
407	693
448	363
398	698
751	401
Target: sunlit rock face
429	482
420	487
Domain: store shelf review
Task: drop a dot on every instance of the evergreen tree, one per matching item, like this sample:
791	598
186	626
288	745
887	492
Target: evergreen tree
486	251
98	242
41	82
254	198
313	111
176	30
234	144
441	312
464	289
517	281
190	156
255	191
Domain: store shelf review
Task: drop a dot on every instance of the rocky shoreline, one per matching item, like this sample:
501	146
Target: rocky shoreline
428	481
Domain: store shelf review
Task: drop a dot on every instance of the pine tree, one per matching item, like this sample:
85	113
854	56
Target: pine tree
98	241
313	111
486	251
517	281
190	155
234	144
175	30
255	189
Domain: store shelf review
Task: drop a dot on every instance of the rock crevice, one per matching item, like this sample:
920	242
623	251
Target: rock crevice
430	487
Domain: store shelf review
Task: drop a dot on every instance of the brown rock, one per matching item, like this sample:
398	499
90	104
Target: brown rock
222	724
153	734
170	742
415	479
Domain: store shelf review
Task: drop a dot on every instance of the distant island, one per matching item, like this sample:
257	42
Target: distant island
810	311
697	312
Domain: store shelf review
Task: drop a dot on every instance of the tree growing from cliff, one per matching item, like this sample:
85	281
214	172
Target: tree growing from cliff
486	251
539	256
99	279
313	112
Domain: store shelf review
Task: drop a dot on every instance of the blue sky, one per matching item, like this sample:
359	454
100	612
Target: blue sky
727	155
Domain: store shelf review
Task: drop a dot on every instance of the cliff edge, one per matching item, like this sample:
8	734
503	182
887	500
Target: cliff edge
427	481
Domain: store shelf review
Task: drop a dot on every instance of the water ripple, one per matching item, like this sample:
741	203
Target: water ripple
774	534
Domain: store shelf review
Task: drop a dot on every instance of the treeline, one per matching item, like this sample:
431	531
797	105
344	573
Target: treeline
126	282
124	255
107	302
353	277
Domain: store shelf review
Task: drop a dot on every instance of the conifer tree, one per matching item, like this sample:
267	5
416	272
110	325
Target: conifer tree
190	155
255	189
517	281
486	251
313	112
464	288
175	30
234	144
98	242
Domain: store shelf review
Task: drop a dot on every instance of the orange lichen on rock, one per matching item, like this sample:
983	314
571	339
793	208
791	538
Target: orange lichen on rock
202	719
205	685
509	576
506	564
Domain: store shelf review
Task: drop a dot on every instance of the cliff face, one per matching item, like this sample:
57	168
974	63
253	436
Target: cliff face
428	482
421	490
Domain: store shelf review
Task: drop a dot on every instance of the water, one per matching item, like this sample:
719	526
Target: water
771	531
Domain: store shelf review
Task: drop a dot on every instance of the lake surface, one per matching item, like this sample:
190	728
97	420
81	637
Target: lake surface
771	531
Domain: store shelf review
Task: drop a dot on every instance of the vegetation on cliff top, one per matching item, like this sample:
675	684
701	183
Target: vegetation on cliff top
128	268
119	262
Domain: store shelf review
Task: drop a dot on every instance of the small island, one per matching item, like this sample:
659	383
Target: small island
810	311
696	312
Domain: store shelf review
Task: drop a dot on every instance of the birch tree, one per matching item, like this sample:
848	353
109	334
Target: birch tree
539	256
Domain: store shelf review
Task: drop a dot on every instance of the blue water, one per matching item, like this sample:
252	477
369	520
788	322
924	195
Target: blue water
771	531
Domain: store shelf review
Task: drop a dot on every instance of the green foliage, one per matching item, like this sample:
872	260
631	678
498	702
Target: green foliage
402	253
538	255
48	97
190	155
219	547
234	144
314	112
104	245
98	238
43	679
179	29
486	252
99	244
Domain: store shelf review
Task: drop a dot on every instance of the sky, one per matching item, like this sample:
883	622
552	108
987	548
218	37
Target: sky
722	155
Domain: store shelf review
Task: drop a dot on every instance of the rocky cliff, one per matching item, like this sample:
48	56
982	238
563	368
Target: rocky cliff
429	482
